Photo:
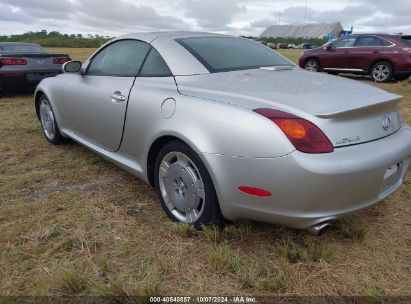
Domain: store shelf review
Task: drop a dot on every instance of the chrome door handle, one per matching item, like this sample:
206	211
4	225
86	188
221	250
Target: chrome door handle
117	97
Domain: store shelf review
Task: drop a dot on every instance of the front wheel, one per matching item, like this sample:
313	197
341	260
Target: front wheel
312	65
48	121
184	186
382	72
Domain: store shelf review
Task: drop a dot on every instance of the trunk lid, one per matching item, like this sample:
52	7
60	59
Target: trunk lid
35	61
349	112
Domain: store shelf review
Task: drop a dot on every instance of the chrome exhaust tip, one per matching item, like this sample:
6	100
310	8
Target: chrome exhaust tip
318	229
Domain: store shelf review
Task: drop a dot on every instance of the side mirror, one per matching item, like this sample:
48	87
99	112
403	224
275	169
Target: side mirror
329	47
72	67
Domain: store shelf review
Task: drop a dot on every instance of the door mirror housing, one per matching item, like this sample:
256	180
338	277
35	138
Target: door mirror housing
72	67
329	47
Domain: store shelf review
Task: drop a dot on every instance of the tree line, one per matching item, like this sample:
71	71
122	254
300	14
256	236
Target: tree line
57	39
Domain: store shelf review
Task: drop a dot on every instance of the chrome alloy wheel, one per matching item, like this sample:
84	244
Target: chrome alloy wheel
311	66
381	72
47	119
181	187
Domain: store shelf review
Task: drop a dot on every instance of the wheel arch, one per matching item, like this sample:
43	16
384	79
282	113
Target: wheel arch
159	143
312	57
37	96
381	60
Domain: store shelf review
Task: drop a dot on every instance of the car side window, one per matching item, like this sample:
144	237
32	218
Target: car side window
370	41
155	66
123	58
344	42
385	42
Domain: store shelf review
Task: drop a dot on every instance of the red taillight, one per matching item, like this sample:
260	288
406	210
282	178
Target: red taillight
304	135
62	60
13	61
254	191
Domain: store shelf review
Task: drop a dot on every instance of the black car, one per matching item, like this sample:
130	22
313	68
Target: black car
25	64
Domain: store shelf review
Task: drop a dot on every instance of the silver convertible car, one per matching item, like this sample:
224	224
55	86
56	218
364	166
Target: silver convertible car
226	128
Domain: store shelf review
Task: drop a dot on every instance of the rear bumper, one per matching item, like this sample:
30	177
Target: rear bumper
31	77
308	189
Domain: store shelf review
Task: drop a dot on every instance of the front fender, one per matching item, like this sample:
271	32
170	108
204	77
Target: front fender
52	88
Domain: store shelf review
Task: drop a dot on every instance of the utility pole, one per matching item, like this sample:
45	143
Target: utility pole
305	12
279	18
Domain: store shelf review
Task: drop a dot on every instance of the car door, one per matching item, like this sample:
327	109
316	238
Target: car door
152	102
335	57
97	102
367	50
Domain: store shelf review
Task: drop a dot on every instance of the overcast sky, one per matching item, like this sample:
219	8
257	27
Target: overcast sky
238	17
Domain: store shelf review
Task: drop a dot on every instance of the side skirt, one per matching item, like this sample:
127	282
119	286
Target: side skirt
120	159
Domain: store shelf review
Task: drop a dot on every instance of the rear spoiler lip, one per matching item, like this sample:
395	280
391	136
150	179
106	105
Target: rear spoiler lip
394	100
32	55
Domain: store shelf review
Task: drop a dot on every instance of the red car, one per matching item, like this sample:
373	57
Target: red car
379	55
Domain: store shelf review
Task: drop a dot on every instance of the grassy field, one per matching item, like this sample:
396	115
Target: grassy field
71	223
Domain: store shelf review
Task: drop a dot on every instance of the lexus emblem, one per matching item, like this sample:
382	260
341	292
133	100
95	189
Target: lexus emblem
386	123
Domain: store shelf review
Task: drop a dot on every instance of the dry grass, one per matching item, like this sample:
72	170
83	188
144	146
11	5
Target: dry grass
76	53
72	223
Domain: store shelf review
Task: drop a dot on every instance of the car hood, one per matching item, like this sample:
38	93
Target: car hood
295	90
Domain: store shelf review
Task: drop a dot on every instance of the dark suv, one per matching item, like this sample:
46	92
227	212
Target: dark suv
379	55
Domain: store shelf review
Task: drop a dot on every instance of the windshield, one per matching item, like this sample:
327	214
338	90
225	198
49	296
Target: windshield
22	48
222	54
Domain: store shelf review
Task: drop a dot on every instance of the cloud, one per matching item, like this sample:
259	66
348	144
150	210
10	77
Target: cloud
239	17
8	14
116	13
348	14
212	14
47	9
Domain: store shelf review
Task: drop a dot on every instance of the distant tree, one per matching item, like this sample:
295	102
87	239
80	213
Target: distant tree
56	39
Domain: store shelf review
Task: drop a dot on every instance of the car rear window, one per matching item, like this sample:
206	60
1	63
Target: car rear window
406	39
21	48
221	54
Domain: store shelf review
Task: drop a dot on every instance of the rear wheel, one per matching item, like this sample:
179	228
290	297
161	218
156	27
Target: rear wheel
184	186
48	121
312	65
382	71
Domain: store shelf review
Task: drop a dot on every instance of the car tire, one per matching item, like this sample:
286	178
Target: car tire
184	186
48	121
312	65
382	71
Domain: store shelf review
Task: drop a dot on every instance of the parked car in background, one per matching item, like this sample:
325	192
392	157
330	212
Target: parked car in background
381	56
282	45
305	46
225	127
23	64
